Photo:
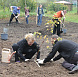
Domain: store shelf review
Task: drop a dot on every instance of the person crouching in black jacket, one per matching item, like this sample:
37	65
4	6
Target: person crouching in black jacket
67	49
26	46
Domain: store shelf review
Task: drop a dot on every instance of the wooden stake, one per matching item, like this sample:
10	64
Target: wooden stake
36	15
36	63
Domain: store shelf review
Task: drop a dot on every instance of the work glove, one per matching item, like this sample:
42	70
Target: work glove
16	17
63	18
41	61
26	60
37	14
44	15
26	16
10	10
38	60
51	60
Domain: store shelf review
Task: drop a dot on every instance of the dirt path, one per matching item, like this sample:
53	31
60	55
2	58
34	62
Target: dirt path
16	32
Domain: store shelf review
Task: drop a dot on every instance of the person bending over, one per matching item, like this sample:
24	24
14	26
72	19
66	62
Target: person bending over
15	13
57	20
68	50
26	46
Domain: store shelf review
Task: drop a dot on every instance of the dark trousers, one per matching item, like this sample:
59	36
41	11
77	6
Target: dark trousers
12	16
56	27
72	64
28	54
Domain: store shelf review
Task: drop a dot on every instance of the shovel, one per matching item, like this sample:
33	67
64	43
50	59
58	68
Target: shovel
63	30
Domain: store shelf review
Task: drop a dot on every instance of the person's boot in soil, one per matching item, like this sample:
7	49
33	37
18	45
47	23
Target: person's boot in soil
9	23
75	69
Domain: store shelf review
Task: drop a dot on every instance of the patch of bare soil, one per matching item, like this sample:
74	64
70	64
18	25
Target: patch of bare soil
16	32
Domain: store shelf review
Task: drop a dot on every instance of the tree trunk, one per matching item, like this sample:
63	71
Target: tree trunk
25	3
77	6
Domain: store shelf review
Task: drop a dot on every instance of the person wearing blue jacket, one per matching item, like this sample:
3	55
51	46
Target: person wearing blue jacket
26	46
15	13
67	49
40	14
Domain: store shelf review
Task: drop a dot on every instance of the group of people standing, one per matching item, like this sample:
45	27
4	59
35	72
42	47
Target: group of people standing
67	49
16	12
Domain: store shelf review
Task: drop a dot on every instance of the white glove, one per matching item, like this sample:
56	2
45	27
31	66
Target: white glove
26	59
64	18
43	15
26	16
38	60
16	16
37	14
41	61
51	60
11	10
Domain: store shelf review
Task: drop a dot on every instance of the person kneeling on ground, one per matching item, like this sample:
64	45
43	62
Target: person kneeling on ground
67	49
27	46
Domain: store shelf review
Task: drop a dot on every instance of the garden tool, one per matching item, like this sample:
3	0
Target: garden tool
37	54
62	29
39	49
36	15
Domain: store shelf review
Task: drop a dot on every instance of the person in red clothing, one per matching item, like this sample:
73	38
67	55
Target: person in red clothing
57	20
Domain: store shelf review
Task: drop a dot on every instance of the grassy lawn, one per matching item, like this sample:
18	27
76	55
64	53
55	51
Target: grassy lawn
70	16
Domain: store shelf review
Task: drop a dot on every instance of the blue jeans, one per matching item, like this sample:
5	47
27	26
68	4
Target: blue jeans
39	19
27	19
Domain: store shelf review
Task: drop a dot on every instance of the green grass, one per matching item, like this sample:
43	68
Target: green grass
71	16
4	14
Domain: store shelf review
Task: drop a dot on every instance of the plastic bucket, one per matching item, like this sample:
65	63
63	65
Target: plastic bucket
4	36
64	31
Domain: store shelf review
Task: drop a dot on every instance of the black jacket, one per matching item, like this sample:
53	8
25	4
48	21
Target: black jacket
24	48
66	49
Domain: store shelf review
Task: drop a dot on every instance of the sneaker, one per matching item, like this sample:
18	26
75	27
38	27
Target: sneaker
18	61
74	70
9	23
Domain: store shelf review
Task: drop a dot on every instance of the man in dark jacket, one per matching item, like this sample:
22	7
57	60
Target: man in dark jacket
67	50
27	46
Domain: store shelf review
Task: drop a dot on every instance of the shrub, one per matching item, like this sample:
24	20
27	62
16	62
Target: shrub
56	7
